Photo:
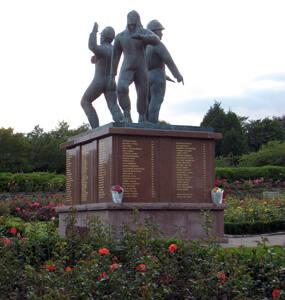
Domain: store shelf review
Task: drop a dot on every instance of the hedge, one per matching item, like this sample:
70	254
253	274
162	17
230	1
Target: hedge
254	228
245	173
52	182
32	182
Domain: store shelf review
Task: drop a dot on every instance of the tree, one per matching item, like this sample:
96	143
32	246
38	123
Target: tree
14	150
232	128
260	132
46	154
215	118
280	120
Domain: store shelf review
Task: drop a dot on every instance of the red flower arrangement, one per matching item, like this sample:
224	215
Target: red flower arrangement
117	188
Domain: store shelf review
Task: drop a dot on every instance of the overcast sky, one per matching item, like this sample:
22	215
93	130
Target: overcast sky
230	51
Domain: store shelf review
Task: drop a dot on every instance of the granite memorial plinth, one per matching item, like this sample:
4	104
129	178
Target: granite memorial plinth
167	173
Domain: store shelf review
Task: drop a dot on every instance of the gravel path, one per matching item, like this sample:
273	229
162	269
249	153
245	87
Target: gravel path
273	239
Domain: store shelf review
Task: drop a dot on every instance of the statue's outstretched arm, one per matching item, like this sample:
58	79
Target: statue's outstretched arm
167	59
92	43
98	50
148	37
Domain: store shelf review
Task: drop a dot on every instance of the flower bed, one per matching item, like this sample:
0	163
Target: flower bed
38	264
31	206
255	187
251	215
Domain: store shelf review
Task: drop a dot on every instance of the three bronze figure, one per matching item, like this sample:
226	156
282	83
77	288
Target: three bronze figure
145	57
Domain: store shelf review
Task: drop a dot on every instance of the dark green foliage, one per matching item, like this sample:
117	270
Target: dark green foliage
274	173
31	182
46	154
36	151
227	161
14	151
232	128
254	228
272	153
260	132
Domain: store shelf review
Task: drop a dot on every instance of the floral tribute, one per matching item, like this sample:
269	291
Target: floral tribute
117	188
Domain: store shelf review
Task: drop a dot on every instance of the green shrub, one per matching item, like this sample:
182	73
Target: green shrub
270	173
32	182
272	153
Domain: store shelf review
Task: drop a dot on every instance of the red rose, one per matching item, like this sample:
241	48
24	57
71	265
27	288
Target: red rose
68	269
36	204
103	251
276	293
222	277
172	248
13	230
18	209
114	267
141	268
50	267
102	276
6	241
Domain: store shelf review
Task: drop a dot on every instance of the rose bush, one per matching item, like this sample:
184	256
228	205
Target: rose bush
140	265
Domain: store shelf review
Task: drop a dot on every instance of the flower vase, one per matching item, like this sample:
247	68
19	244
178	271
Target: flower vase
117	196
217	197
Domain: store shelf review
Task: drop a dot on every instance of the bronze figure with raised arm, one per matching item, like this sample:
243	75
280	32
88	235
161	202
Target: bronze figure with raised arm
157	57
101	83
132	43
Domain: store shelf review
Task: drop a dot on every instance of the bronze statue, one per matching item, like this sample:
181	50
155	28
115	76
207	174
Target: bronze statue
157	57
132	43
101	83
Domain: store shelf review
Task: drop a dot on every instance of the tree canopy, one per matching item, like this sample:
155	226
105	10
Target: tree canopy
36	151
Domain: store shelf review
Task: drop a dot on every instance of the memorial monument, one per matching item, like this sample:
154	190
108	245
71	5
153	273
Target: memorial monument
167	171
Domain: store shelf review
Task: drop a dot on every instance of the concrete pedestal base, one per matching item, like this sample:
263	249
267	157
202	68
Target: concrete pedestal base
180	220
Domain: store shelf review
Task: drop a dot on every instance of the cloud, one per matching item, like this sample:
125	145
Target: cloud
263	97
272	77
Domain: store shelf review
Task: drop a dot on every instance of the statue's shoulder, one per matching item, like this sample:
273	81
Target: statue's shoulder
121	34
142	30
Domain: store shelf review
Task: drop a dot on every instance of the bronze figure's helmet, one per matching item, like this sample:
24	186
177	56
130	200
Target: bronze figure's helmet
154	25
108	33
